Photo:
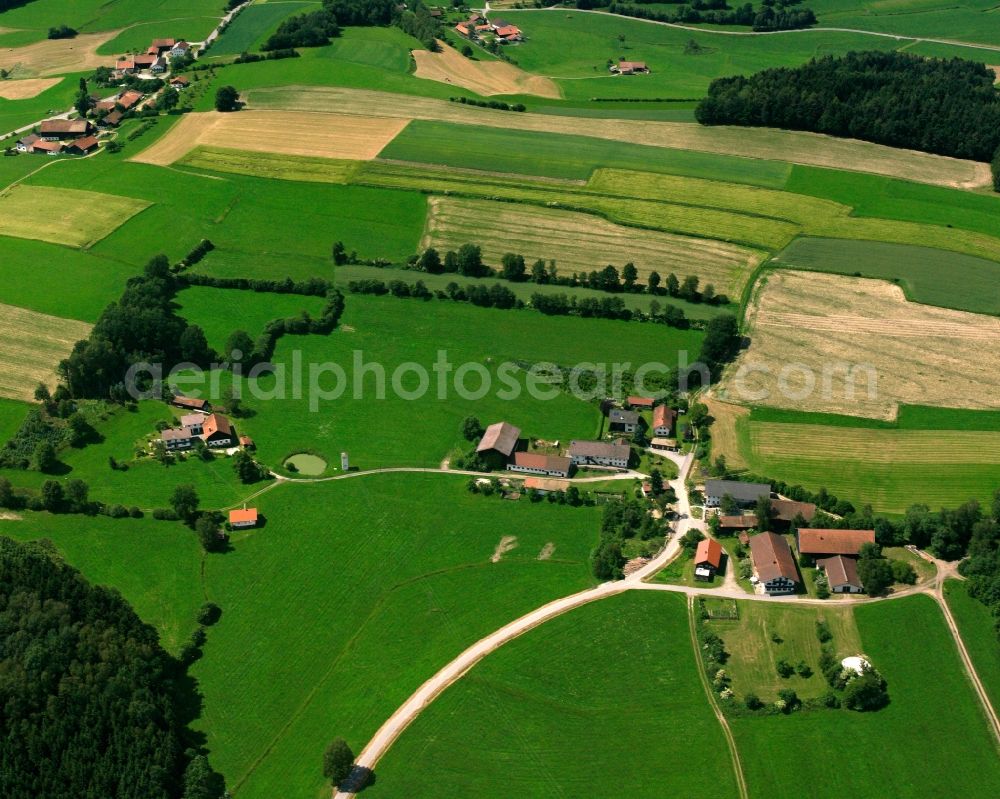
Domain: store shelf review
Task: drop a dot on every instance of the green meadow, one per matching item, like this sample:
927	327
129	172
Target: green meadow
933	719
254	24
545	715
977	627
390	333
12	413
155	565
101	15
341	605
970	20
929	276
15	114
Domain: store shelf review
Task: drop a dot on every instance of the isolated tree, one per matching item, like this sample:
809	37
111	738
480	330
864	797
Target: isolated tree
513	268
76	494
184	501
538	272
339	253
42	394
247	469
673	286
608	559
689	288
656	482
866	692
470	260
629	275
227	99
902	572
338	760
472	428
763	513
207	530
653	282
168	99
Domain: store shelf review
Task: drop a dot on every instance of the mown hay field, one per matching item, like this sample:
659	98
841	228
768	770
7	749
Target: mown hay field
754	143
930	276
487	78
273	166
33	345
833	344
57	56
27	88
541	715
325	135
581	243
63	216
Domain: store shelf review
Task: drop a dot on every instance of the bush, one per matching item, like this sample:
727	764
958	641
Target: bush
784	668
803	669
866	692
903	572
209	614
823	631
165	514
752	702
62	32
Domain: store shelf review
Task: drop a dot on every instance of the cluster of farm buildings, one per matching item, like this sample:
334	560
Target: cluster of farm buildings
503	447
79	136
477	27
775	573
215	431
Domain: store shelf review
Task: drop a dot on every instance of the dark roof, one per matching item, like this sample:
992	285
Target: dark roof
536	460
709	551
618	416
772	558
28	140
786	510
833	542
741	492
840	571
501	437
599	449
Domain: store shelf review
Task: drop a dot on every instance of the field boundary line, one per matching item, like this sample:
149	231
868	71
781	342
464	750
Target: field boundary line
734	754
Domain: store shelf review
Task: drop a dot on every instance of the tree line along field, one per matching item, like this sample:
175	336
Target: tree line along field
390	332
548	711
931	699
935	456
254	24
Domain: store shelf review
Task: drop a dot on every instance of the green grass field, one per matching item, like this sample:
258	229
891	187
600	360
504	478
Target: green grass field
392	332
931	701
253	310
15	114
378	598
971	20
929	276
100	15
12	413
254	24
557	711
754	655
155	565
977	628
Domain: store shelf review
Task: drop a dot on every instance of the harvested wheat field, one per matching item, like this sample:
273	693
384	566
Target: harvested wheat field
486	78
779	145
725	430
58	56
33	345
27	88
582	242
808	329
358	138
64	216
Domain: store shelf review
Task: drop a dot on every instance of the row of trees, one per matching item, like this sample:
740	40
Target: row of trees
948	107
982	567
468	261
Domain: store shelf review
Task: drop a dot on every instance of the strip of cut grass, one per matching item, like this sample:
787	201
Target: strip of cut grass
931	699
933	277
977	626
373	593
543	714
254	24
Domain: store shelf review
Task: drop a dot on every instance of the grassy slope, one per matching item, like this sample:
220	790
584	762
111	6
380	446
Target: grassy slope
826	753
546	713
254	24
390	332
976	626
379	601
970	20
155	565
102	15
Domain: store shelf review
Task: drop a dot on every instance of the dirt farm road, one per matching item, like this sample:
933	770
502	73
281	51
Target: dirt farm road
394	726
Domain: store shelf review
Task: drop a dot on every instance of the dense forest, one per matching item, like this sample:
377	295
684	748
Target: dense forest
88	699
947	107
7	5
982	567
